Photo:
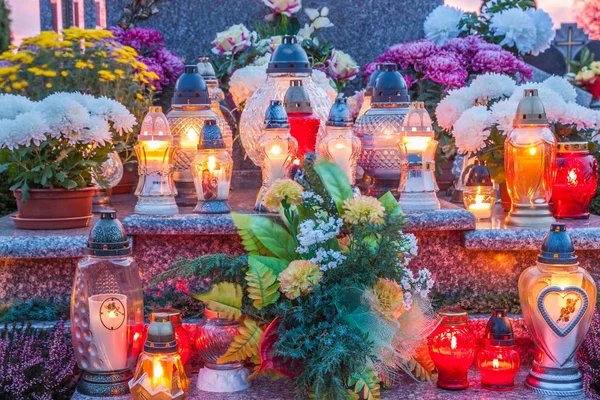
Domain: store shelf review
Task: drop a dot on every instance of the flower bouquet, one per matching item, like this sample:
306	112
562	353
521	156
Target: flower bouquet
51	149
325	297
585	73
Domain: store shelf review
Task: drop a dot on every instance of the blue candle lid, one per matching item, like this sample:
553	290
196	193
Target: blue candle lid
390	86
108	238
191	88
558	247
289	57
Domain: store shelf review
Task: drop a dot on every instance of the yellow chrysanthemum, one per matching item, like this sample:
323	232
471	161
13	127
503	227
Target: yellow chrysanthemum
48	85
386	298
283	189
363	209
81	65
299	278
64	73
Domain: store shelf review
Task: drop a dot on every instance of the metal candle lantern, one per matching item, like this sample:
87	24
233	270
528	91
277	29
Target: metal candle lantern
289	61
155	190
379	130
107	311
159	374
215	335
339	145
212	170
182	337
277	149
575	182
529	157
558	299
368	95
418	186
498	361
304	126
452	349
479	195
189	112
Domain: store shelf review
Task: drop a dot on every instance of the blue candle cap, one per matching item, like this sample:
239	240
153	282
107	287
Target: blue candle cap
289	57
211	136
390	86
499	331
275	116
340	114
108	238
191	88
558	247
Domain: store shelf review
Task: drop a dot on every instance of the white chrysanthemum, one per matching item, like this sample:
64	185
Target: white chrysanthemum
492	86
321	80
561	86
471	129
442	24
12	105
544	30
97	131
554	105
579	116
517	28
65	116
245	81
449	110
113	111
503	114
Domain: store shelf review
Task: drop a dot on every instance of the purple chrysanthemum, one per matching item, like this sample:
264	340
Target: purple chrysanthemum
446	68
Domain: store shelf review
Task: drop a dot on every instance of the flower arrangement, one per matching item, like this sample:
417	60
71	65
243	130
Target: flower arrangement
327	296
480	115
80	60
59	141
585	72
243	55
516	25
150	46
586	15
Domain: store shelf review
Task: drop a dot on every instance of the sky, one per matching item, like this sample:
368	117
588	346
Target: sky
26	21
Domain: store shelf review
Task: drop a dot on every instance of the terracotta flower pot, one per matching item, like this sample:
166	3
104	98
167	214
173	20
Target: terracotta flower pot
128	182
54	208
446	179
505	200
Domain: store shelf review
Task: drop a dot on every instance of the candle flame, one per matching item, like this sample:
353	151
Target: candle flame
212	163
296	161
479	199
453	342
158	370
572	177
136	336
495	363
112	314
190	138
532	150
276	150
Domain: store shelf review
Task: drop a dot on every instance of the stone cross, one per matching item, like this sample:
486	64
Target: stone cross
570	39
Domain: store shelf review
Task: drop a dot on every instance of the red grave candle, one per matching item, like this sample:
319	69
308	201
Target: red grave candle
304	126
575	182
498	361
452	349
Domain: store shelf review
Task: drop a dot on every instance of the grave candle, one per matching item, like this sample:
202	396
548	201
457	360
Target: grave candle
304	126
108	313
479	195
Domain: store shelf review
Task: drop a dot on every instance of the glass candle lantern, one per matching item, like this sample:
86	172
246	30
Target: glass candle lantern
529	158
214	336
479	195
575	182
159	374
418	186
277	150
304	126
105	178
190	110
498	361
212	170
452	348
339	145
558	299
155	190
107	311
182	337
379	129
368	95
289	61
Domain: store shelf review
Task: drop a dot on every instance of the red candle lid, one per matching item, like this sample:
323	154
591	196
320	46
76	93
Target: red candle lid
453	316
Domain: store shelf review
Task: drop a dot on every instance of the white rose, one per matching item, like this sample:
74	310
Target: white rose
341	66
235	39
245	81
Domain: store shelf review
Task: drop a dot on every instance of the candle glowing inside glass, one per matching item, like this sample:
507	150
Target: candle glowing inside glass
190	139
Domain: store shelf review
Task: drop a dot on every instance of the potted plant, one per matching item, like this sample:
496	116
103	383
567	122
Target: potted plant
50	150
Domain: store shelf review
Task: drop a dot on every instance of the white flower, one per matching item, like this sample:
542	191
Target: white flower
503	114
12	105
306	32
341	66
442	24
492	86
318	18
554	105
26	129
262	60
471	129
274	42
544	30
233	40
355	102
97	131
245	81
517	27
449	110
65	116
321	80
312	13
322	22
579	116
285	7
109	109
561	86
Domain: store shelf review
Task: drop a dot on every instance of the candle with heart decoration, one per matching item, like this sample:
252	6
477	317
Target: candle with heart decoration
558	298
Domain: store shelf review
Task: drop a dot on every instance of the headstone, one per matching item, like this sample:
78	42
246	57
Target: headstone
59	14
569	40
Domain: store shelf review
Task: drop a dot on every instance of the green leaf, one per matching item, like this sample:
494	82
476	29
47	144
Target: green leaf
69	184
263	287
224	298
365	381
336	182
245	345
392	208
276	265
251	243
274	237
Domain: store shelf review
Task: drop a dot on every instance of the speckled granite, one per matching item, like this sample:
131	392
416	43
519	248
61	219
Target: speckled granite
448	218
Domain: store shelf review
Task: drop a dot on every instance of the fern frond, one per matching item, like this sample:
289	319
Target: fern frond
244	345
367	382
251	243
224	298
263	287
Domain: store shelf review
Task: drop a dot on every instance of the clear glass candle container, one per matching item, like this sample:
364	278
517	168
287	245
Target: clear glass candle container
288	62
155	189
529	160
110	173
107	310
558	299
368	95
479	195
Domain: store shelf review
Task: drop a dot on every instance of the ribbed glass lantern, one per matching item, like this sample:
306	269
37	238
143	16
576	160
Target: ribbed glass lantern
340	145
190	110
529	164
418	186
277	150
288	62
107	311
379	130
155	190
